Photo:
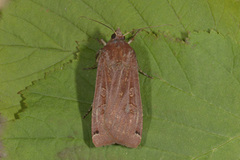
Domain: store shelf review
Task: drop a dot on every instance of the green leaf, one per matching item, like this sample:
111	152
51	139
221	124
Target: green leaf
38	36
191	107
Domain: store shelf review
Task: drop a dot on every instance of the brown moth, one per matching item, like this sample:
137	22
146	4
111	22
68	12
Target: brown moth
117	115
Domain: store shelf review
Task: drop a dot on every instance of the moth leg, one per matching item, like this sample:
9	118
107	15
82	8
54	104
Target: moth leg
138	31
102	42
131	40
86	114
93	67
77	42
145	74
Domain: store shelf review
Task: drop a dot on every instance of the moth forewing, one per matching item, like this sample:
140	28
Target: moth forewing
117	108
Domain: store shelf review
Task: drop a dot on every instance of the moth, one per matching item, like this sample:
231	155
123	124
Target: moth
117	116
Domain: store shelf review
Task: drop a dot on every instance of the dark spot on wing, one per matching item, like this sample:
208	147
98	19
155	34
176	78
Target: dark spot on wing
96	132
137	133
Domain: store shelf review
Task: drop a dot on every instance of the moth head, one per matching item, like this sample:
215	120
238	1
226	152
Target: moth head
117	35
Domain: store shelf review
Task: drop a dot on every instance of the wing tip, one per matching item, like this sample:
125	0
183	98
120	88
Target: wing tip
131	142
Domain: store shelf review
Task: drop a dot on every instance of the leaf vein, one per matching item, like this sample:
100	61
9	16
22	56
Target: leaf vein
64	98
194	96
176	15
19	78
214	20
185	74
219	146
190	127
67	20
38	29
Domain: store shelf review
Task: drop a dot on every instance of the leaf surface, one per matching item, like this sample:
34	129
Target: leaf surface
191	107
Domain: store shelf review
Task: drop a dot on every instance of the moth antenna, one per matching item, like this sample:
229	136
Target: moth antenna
140	29
98	22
